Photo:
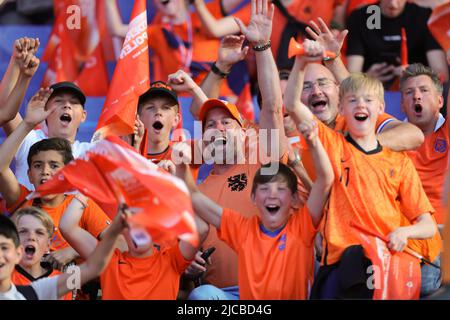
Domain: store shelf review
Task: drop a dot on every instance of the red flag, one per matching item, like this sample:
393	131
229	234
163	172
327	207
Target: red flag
397	276
404	49
130	79
117	173
93	79
62	65
439	25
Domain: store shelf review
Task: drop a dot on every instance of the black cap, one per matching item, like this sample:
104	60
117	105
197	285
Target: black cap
69	86
160	87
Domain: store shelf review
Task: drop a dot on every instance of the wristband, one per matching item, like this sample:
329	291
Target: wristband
332	58
262	47
218	72
297	160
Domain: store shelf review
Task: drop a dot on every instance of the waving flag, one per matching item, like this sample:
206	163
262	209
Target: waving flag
130	79
404	49
397	276
439	25
116	173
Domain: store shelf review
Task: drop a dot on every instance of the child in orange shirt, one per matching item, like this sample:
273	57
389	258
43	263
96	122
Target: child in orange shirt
35	229
141	272
45	158
373	186
275	249
52	288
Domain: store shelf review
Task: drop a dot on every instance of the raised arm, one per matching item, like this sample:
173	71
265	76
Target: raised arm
16	81
325	177
331	42
78	238
100	257
297	110
203	206
215	27
230	52
180	81
258	34
115	25
401	136
36	112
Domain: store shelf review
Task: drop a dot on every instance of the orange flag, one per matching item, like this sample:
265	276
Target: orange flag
404	49
93	78
159	201
130	79
62	65
396	276
439	25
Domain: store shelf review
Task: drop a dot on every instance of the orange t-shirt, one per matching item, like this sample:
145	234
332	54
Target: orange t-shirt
22	278
303	11
271	266
167	155
431	162
94	220
372	189
341	127
231	189
156	277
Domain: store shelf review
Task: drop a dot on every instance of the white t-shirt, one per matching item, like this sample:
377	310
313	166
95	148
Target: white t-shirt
78	148
46	289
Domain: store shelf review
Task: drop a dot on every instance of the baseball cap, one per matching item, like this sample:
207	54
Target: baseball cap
69	86
159	87
216	103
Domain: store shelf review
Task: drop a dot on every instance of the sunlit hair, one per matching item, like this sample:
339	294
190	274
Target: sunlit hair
37	213
361	82
418	69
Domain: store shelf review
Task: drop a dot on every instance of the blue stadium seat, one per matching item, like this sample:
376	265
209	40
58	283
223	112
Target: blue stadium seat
392	100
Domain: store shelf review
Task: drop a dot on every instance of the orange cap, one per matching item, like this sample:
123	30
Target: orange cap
216	103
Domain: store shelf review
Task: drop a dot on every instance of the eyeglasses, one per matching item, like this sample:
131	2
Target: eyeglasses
322	83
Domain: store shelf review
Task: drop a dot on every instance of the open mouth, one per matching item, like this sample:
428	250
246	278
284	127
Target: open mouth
418	108
2	265
42	181
361	117
272	209
65	118
30	251
220	141
157	125
319	105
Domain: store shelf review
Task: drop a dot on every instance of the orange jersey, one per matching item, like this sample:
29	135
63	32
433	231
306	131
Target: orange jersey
271	266
231	189
372	189
156	277
431	162
94	220
167	155
22	278
340	126
303	11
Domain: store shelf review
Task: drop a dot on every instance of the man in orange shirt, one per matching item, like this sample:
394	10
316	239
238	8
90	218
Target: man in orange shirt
275	248
226	134
35	229
45	158
373	186
140	271
421	102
